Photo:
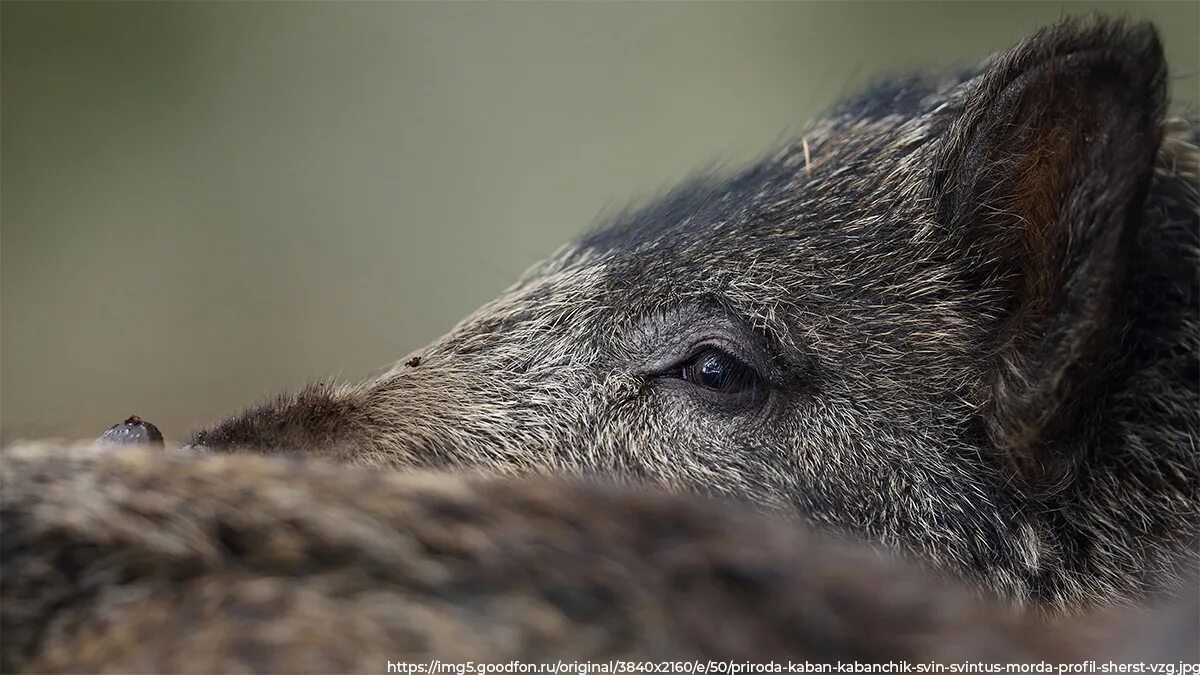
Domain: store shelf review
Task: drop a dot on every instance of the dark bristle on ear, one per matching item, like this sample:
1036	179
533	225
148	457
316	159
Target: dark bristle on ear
1043	176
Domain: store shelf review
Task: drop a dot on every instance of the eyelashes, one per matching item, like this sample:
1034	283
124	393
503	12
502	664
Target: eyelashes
718	371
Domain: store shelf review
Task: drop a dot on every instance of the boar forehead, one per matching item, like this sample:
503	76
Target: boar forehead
818	184
826	246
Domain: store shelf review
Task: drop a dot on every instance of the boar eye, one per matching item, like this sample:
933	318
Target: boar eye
719	371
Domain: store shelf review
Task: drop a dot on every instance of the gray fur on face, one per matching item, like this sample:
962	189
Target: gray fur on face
967	309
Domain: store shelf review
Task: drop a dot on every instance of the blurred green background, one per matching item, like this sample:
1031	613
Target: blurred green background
205	203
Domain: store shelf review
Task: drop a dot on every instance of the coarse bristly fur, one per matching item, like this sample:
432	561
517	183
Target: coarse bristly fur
326	569
969	308
973	304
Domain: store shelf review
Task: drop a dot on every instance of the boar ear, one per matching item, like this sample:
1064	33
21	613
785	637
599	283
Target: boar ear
1044	175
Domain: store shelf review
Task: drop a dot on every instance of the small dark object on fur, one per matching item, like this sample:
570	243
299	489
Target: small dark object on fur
133	431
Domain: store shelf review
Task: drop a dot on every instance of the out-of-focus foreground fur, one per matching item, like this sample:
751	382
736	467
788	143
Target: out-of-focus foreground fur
131	561
957	321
